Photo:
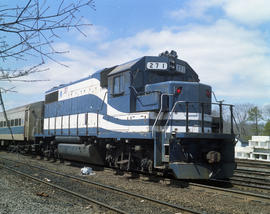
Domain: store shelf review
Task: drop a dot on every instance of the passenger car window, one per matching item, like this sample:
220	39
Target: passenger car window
118	85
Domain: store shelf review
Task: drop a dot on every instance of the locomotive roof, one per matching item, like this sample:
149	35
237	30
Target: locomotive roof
116	69
113	70
124	66
71	83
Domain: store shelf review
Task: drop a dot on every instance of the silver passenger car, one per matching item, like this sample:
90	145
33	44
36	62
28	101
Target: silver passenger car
22	123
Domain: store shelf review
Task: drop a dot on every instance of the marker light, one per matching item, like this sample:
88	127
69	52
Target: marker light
208	93
178	90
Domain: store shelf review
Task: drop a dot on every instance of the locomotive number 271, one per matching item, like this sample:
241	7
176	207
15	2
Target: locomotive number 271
156	65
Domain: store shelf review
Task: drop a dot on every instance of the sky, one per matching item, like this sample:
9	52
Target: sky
225	41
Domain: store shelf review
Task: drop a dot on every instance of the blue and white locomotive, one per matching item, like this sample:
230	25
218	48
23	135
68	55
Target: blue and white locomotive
148	114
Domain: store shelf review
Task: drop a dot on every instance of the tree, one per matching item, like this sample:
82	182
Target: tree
27	30
266	129
255	115
266	112
241	118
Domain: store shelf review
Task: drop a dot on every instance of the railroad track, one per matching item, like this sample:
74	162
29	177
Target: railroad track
253	163
259	180
253	172
173	207
256	177
215	185
237	182
251	180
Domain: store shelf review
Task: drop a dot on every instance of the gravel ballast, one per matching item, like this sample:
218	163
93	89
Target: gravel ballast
20	196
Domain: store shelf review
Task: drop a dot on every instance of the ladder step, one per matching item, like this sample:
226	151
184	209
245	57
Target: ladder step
122	162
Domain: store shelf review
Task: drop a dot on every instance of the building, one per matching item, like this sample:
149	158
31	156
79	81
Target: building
258	148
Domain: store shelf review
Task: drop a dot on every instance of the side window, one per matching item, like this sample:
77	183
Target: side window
118	85
20	121
1	124
16	122
12	123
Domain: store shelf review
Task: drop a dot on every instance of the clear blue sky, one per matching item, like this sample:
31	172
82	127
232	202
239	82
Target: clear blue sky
225	41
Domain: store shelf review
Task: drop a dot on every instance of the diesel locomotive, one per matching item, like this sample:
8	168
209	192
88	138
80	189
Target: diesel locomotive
149	114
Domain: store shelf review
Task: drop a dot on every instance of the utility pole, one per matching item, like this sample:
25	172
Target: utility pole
5	116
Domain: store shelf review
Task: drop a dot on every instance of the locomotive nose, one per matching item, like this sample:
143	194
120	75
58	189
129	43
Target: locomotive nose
213	157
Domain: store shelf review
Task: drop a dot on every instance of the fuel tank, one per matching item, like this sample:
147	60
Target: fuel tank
80	152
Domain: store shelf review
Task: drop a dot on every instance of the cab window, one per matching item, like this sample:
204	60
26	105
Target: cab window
118	85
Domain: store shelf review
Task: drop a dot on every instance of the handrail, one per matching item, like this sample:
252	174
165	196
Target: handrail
134	89
137	98
202	105
101	107
159	113
173	111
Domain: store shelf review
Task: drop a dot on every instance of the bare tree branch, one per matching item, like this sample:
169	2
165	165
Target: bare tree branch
28	30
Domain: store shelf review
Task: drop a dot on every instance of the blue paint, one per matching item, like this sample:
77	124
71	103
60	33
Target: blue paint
103	133
65	132
120	103
148	102
77	105
73	132
15	130
58	132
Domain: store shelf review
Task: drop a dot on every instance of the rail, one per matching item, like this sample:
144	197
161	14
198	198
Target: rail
104	186
64	190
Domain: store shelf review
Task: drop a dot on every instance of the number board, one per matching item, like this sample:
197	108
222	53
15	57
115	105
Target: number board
180	68
157	65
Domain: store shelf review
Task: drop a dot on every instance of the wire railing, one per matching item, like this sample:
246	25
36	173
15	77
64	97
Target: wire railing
202	112
201	109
